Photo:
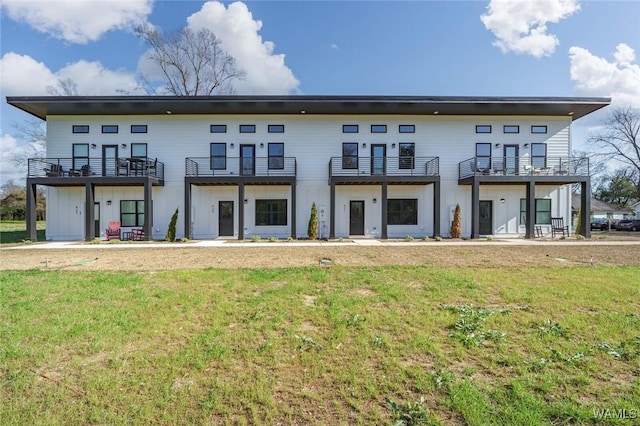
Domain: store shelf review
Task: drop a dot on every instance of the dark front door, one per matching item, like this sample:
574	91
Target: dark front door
486	218
511	155
356	218
247	160
96	219
225	218
109	160
378	157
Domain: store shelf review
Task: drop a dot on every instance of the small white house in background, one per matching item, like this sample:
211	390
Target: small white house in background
636	209
602	210
239	166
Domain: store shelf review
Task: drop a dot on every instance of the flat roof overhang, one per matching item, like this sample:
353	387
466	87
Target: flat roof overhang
43	106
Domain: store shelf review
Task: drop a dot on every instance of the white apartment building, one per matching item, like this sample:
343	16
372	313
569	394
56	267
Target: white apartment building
239	166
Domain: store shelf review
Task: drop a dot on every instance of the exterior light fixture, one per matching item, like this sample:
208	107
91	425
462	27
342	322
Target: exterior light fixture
526	145
93	146
375	200
393	145
261	145
502	201
364	145
124	146
246	201
232	145
497	145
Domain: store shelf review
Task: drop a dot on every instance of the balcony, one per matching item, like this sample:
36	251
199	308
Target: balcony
231	170
524	168
69	169
389	169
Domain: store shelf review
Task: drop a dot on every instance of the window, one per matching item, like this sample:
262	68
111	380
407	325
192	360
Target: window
131	212
80	155
543	211
538	155
110	128
538	129
350	128
276	156
138	128
275	128
218	156
406	154
406	128
271	212
483	128
139	150
378	128
483	156
402	212
77	128
510	129
218	128
247	128
349	155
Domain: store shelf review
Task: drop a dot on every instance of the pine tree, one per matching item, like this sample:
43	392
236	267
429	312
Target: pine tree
312	229
171	232
456	224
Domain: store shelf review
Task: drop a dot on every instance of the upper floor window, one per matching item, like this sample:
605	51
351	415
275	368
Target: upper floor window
276	156
247	128
350	128
538	155
80	128
80	153
406	154
139	150
110	128
138	128
218	128
483	128
378	128
511	129
483	156
349	155
218	156
275	128
406	128
538	129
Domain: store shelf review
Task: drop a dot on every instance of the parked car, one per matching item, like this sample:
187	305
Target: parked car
599	223
628	225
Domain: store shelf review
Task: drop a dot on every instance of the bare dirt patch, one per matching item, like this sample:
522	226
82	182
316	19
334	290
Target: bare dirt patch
149	258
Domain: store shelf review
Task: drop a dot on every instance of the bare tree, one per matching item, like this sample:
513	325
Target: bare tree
64	87
193	63
618	139
34	133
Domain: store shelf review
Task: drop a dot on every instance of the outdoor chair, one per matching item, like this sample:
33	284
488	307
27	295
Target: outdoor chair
55	170
137	234
558	226
113	231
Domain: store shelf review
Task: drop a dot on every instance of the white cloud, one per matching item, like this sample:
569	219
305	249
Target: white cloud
239	33
9	148
521	26
78	21
334	46
24	76
595	76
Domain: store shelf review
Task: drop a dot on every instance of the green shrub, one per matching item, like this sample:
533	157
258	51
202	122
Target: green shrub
456	224
171	231
312	229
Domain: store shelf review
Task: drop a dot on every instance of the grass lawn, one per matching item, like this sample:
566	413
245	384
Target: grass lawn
14	231
336	345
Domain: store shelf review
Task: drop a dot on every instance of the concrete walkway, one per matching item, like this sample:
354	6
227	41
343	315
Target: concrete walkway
72	245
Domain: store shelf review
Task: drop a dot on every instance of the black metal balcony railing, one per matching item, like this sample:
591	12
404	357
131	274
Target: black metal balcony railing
523	166
94	167
240	166
384	166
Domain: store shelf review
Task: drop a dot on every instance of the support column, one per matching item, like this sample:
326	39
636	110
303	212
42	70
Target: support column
187	210
89	214
293	210
148	209
383	209
585	208
31	213
530	206
436	209
332	211
241	211
475	209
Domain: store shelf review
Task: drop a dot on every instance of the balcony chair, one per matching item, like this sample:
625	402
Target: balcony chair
55	170
137	234
558	226
113	231
123	167
151	167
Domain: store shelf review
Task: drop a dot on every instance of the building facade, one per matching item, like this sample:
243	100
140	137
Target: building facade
243	166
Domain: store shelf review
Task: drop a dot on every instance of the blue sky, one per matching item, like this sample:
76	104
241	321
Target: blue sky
466	48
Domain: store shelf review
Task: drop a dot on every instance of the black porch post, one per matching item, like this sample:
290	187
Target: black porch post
332	211
148	209
293	210
89	216
383	209
187	210
436	209
31	214
585	208
241	211
475	209
530	204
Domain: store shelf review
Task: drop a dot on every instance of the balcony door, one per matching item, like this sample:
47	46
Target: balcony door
378	159
248	160
511	156
109	160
